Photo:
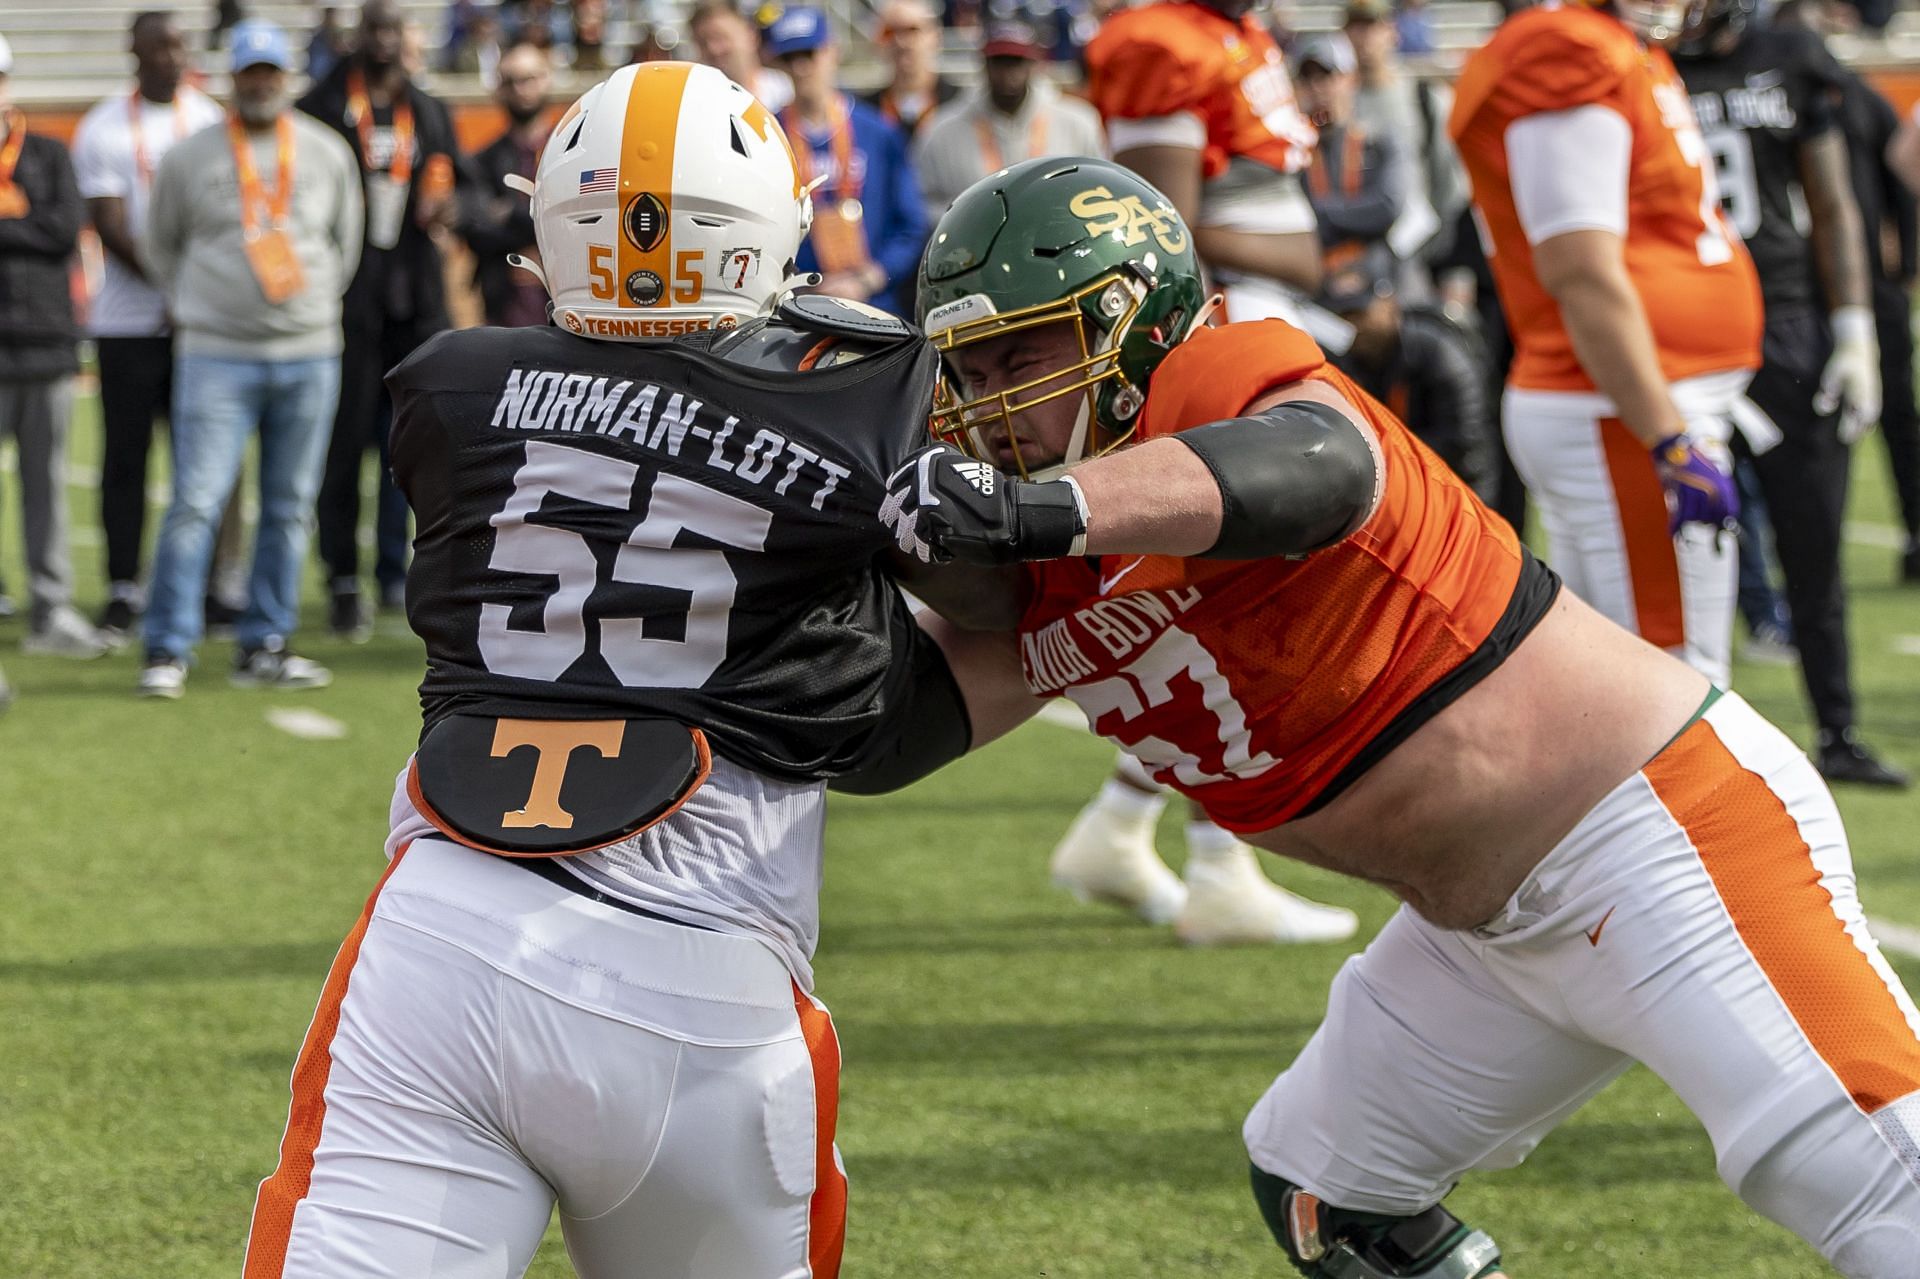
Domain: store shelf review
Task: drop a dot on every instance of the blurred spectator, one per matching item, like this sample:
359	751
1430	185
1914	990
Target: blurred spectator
332	40
590	35
1430	371
116	151
253	233
541	22
1355	182
496	220
1413	29
1413	113
479	53
724	37
910	36
40	216
397	300
868	222
1015	114
226	15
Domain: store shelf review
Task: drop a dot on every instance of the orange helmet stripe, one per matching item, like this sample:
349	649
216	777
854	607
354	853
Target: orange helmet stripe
646	170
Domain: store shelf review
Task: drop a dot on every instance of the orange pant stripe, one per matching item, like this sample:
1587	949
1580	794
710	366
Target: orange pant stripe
827	1215
282	1192
1764	872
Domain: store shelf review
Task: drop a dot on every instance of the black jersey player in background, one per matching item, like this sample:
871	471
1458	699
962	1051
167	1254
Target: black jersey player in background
1769	103
648	571
1888	212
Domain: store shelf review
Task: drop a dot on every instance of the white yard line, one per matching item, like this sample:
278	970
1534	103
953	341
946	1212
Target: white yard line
302	722
1898	938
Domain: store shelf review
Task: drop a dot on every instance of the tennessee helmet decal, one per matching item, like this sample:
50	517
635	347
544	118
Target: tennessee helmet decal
666	202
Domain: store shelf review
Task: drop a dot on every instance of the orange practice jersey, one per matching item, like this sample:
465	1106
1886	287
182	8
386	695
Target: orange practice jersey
1693	275
1250	685
1177	56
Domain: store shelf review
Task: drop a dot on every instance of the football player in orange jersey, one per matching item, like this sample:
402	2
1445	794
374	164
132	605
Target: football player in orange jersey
1293	613
1196	99
1635	310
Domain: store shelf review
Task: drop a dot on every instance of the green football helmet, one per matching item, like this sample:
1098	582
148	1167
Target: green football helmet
1060	239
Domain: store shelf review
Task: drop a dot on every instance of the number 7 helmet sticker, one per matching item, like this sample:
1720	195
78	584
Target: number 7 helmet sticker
737	266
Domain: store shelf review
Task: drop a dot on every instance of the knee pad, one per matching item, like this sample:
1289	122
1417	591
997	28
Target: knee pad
1324	1242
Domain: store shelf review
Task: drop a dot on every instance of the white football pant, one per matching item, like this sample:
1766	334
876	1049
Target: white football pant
1605	515
489	1045
1702	919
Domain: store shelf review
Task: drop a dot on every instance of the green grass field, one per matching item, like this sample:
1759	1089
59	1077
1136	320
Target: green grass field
1032	1087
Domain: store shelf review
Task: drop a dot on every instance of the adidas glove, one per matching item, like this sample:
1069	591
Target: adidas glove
1698	490
943	505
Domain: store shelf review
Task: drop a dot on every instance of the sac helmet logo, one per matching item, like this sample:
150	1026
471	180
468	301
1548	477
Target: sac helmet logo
646	221
644	288
1128	219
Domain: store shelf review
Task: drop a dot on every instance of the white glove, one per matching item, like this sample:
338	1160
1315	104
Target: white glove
1851	380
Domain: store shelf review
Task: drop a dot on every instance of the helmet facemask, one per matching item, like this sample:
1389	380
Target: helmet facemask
1102	314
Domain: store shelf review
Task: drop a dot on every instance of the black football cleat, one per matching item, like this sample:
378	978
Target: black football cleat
1841	758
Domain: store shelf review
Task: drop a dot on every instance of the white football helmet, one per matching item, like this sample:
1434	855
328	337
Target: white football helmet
666	201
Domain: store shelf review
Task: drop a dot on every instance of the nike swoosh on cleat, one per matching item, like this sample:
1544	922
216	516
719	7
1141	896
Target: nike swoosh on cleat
1593	934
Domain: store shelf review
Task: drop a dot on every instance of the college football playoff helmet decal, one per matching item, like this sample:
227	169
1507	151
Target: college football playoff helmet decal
666	201
1076	240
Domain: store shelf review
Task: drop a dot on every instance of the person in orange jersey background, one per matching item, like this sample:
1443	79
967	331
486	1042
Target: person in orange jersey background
1635	311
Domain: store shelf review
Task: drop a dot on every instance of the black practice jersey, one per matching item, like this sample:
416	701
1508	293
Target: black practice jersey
1756	105
650	529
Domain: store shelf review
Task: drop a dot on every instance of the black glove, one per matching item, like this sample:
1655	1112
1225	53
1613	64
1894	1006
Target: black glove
943	505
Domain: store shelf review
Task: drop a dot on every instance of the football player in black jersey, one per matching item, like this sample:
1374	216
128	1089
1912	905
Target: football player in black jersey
648	574
1769	103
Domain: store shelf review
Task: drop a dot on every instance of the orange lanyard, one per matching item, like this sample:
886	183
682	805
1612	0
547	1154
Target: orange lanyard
10	151
360	112
137	128
251	195
990	145
1353	152
848	187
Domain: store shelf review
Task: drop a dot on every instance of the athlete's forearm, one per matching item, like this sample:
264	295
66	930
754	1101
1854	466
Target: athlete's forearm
1156	498
1174	170
1839	239
1586	274
985	666
1293	258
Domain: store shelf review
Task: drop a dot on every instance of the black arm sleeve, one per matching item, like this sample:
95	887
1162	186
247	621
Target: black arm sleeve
1294	478
1456	422
928	730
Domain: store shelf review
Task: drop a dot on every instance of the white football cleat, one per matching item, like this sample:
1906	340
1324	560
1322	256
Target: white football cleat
1108	858
1231	903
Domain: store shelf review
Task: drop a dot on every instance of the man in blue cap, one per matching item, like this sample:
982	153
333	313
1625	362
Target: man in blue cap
868	225
252	235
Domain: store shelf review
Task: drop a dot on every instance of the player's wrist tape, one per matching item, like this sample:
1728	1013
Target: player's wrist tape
1295	478
1049	520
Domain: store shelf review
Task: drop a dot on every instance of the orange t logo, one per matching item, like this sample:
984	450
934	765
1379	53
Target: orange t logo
553	741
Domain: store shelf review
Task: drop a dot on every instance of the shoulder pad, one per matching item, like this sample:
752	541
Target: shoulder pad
841	318
1217	373
1560	58
1149	62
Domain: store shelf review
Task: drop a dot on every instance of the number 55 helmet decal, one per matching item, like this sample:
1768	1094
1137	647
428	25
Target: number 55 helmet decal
666	201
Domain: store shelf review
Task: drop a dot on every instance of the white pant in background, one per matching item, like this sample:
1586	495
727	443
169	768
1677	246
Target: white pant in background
1702	919
1605	516
489	1045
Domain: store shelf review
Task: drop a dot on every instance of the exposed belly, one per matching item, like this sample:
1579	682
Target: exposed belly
1453	819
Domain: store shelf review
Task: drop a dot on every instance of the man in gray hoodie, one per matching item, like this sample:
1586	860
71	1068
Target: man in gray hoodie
253	233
